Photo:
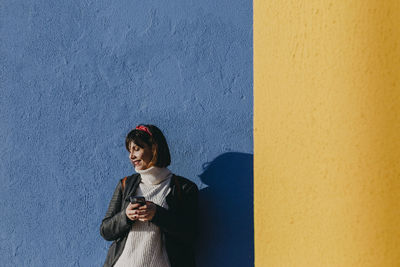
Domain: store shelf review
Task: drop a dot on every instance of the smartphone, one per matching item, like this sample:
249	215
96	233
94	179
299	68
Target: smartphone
138	200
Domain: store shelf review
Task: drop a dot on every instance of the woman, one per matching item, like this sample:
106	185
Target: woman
161	232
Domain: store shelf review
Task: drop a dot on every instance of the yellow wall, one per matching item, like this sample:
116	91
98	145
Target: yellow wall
327	133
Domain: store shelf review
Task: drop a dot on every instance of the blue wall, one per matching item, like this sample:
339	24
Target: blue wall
76	76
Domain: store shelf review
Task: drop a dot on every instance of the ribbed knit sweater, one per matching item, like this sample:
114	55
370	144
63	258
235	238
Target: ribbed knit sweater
145	245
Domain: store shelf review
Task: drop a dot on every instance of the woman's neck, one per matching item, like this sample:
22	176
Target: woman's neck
154	175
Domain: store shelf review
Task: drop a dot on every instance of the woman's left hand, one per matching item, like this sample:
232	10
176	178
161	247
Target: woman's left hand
146	212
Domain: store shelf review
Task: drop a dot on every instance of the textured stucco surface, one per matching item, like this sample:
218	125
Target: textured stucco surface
327	124
76	76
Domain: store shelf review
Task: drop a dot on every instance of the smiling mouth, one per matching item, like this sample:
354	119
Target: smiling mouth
135	162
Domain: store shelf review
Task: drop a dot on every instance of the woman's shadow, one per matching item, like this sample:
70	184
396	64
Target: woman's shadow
226	236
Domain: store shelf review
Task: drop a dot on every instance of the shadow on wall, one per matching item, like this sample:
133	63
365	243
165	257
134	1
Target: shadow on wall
226	236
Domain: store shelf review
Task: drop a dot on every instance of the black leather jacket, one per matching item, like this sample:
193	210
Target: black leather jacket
178	224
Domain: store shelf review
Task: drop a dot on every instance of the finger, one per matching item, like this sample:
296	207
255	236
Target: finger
132	217
143	219
144	215
132	212
142	212
143	207
134	206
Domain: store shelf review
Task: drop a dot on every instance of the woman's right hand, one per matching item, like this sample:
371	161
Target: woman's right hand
132	212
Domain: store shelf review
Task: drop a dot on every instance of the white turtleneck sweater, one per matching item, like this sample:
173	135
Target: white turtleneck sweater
145	245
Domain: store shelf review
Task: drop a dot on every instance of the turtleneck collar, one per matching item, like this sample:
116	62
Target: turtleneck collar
154	175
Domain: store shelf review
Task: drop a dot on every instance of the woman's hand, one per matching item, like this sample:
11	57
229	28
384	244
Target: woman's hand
146	212
132	212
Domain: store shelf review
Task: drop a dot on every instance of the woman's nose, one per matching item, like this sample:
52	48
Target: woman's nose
131	155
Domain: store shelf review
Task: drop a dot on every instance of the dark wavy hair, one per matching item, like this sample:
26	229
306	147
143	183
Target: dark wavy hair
156	141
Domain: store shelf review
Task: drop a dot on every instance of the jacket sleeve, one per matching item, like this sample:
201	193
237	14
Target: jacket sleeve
115	224
182	223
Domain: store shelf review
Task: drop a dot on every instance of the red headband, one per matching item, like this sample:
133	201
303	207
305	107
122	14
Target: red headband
143	128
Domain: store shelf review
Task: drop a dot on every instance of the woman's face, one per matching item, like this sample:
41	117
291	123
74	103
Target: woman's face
140	156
